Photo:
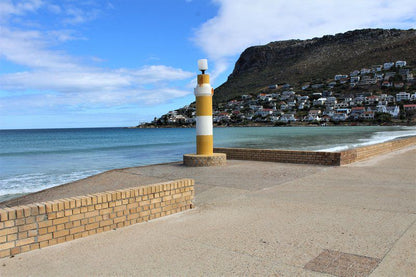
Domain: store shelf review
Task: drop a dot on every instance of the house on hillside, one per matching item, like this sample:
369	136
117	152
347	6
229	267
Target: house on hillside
313	115
320	101
388	75
316	86
332	84
264	112
314	112
305	86
367	80
176	118
246	97
339	117
339	77
377	67
287	118
386	84
365	71
387	66
331	101
356	112
371	100
367	115
355	79
379	76
400	63
409	107
346	111
402	96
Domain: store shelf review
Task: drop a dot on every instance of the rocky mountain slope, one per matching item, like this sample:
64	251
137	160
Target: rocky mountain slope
299	61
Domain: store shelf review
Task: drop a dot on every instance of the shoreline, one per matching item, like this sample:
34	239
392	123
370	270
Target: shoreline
116	179
258	218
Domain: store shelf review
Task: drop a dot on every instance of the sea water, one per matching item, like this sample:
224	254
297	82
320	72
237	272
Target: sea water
32	160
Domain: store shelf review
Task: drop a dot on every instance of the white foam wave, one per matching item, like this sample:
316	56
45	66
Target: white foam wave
28	183
378	137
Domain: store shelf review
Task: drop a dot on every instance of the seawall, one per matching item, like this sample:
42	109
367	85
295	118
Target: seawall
314	157
34	226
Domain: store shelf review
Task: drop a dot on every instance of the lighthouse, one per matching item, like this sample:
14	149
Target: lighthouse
205	155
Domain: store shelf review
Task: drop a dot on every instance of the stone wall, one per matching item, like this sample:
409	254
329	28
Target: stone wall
25	228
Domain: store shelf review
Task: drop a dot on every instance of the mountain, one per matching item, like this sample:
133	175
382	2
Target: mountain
300	61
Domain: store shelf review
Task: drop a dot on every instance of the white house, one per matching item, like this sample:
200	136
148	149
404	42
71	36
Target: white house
346	111
255	107
377	67
400	63
312	118
264	112
387	66
340	76
331	100
287	118
355	79
320	101
402	96
365	71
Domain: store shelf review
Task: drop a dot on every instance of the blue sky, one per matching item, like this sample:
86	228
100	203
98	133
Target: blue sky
99	63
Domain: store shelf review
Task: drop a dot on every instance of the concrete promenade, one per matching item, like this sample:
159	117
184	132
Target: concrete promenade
251	219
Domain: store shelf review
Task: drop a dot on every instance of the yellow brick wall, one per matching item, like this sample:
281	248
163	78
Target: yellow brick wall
25	228
281	156
366	152
312	157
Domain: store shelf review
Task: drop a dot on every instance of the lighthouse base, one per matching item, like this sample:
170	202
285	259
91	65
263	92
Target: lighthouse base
216	159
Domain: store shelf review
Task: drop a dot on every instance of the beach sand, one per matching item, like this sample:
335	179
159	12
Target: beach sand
251	218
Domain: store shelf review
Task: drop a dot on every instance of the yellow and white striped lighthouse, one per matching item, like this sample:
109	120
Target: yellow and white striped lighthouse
203	94
205	155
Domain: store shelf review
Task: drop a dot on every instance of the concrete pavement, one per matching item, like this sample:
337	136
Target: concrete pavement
257	218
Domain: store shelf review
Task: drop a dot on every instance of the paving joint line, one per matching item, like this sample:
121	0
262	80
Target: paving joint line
393	244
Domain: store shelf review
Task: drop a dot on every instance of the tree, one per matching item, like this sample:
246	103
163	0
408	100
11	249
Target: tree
382	117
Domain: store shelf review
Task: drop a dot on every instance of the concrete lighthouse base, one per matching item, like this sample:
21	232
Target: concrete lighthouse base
216	159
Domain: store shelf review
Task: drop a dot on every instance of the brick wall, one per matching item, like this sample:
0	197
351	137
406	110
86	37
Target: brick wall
365	152
25	228
319	158
281	156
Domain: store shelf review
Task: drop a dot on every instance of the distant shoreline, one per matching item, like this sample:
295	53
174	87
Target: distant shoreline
269	124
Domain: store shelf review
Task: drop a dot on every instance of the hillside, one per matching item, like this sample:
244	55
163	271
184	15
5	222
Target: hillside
312	60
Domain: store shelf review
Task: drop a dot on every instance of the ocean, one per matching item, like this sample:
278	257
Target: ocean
33	160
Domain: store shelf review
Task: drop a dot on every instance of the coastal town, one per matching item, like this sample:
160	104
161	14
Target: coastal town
377	94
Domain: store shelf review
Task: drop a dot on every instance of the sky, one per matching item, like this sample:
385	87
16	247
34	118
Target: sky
117	63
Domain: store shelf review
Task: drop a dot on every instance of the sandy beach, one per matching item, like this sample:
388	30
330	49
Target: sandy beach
250	218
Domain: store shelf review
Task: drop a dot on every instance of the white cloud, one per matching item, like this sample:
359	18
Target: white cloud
55	78
7	7
78	15
243	23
